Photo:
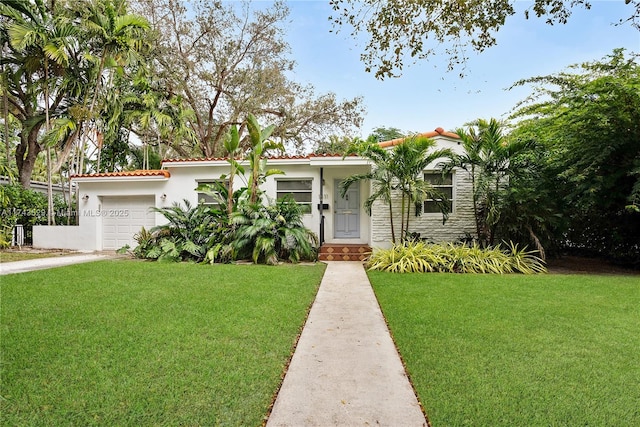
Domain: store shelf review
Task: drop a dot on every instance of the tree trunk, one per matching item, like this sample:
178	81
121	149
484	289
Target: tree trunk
27	154
393	232
5	102
50	219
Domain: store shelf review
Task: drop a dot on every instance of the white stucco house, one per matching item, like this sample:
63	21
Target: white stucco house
114	206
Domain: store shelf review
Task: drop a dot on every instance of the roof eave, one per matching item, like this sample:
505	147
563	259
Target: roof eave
119	178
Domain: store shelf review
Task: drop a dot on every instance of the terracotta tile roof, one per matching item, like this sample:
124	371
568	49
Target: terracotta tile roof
436	132
333	155
195	159
135	173
283	157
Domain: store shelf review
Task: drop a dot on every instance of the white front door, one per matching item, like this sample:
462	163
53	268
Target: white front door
123	217
346	219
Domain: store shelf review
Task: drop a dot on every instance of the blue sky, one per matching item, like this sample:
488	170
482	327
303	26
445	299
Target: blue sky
427	96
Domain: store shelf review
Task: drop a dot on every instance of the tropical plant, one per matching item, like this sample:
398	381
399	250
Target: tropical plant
119	38
267	234
410	159
381	176
587	120
58	61
145	242
489	159
420	257
232	145
188	234
398	170
44	40
259	145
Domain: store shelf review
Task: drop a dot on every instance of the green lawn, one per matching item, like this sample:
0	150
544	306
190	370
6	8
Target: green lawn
486	350
132	343
12	255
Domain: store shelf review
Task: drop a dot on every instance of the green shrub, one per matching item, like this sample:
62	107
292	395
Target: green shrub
412	257
264	234
268	234
28	207
187	236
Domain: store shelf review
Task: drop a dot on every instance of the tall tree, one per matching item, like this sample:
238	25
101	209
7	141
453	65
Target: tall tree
410	159
381	178
420	29
70	53
41	41
229	59
118	39
383	133
489	159
588	118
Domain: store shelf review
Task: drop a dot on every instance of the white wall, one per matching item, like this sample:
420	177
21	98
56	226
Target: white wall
429	225
184	180
87	235
300	171
73	237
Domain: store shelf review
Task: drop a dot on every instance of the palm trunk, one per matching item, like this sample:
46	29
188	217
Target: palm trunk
408	216
232	174
5	103
393	232
50	220
537	243
93	101
474	195
402	231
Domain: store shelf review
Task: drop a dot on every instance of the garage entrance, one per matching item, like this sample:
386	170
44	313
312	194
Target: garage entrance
123	217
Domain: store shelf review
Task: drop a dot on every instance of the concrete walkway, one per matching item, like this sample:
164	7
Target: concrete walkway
345	370
42	263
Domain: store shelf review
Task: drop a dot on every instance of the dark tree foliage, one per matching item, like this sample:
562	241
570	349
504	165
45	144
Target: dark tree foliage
588	118
399	30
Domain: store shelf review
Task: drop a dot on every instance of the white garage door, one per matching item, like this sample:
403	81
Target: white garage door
123	217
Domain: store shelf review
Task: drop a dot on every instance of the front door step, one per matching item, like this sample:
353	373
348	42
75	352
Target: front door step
344	252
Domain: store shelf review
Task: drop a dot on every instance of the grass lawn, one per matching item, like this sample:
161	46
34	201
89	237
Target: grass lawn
136	343
485	350
12	255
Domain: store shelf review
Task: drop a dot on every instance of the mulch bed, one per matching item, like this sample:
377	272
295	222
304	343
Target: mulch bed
570	264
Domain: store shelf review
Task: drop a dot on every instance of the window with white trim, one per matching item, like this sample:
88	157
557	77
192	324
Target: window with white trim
209	199
298	189
442	183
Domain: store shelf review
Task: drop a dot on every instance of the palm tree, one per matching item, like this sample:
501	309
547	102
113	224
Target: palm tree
409	160
232	145
259	140
381	176
45	38
119	36
488	160
398	169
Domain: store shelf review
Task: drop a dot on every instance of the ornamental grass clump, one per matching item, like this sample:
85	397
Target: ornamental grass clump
420	257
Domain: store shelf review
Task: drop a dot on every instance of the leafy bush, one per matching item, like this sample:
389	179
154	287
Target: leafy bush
411	257
267	234
188	234
23	206
264	234
28	207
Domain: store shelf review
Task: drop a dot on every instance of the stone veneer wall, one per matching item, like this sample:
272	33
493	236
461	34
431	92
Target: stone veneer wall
460	222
